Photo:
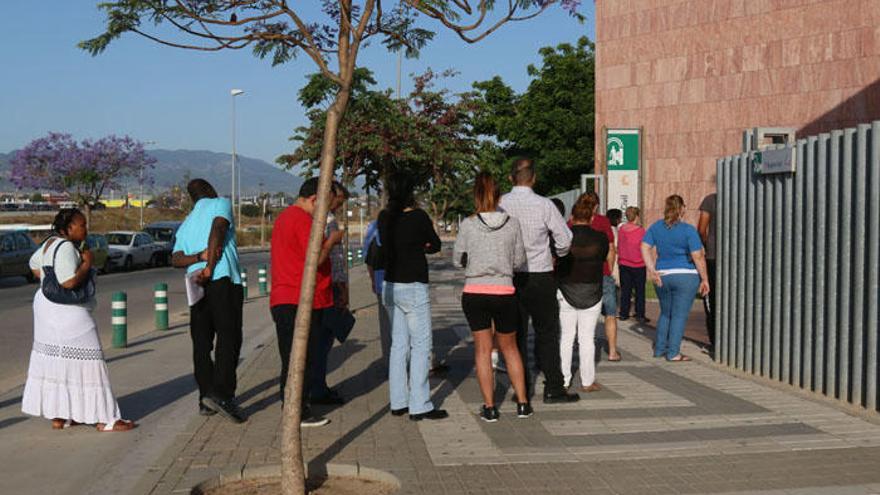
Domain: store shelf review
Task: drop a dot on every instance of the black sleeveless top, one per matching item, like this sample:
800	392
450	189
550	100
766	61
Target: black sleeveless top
580	272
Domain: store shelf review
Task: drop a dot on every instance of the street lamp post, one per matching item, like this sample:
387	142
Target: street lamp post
234	93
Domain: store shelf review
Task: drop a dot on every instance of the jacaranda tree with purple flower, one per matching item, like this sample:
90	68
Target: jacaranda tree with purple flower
330	33
84	170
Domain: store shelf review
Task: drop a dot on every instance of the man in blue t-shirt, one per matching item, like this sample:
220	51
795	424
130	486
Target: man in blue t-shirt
206	247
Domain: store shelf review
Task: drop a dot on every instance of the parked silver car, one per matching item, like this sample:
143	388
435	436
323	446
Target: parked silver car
16	249
129	249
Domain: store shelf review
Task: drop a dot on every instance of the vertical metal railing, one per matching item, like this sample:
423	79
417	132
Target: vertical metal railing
799	266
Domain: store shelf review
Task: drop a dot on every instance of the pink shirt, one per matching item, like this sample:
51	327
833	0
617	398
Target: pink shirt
629	245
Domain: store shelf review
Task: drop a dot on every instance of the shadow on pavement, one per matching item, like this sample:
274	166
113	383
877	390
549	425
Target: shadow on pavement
10	402
319	463
130	354
164	335
12	421
137	405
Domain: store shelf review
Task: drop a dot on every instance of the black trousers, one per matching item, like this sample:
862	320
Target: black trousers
217	317
536	295
632	279
710	302
284	316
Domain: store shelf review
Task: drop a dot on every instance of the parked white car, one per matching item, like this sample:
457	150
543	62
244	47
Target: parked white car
129	249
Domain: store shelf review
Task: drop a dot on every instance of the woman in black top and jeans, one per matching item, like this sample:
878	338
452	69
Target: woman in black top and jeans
407	235
580	292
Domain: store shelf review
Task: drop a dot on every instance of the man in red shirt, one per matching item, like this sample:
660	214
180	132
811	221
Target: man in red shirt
601	223
290	239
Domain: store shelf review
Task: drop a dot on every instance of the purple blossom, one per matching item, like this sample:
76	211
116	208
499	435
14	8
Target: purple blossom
84	170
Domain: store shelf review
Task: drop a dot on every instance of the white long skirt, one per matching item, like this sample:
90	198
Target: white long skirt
67	377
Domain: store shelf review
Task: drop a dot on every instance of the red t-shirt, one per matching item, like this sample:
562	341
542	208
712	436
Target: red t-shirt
290	239
601	223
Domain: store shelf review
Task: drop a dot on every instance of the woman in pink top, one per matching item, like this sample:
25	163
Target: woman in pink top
632	266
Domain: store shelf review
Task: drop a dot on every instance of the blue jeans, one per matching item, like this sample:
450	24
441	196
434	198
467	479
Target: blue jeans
676	298
409	306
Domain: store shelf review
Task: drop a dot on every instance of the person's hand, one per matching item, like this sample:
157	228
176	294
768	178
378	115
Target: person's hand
88	258
655	278
204	276
704	288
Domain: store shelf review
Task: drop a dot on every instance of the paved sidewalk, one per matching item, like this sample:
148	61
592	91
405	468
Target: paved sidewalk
657	427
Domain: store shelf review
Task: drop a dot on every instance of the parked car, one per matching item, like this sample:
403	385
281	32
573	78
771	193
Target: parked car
129	249
100	249
16	248
164	234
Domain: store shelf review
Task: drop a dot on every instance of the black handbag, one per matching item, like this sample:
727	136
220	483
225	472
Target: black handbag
340	321
60	295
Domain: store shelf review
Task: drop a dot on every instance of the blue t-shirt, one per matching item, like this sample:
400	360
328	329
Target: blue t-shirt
193	234
674	245
373	235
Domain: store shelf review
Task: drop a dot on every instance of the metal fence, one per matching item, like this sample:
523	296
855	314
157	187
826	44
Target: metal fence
799	266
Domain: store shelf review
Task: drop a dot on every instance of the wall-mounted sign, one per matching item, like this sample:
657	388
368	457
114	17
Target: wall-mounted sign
782	161
622	159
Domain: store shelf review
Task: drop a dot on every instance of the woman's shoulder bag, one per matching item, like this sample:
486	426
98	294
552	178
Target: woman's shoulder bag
58	294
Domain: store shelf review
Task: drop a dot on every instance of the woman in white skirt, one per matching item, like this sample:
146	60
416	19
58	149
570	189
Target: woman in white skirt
67	378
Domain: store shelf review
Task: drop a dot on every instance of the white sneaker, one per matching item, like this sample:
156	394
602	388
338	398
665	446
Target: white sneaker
314	422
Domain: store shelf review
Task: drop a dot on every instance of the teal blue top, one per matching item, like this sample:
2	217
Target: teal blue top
193	234
674	244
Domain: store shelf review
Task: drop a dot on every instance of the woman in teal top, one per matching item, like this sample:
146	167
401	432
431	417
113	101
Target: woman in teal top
676	264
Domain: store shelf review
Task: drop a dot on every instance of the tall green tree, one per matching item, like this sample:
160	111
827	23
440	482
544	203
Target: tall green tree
331	34
552	121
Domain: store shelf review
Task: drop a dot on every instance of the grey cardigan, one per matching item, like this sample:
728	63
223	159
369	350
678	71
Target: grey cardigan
490	248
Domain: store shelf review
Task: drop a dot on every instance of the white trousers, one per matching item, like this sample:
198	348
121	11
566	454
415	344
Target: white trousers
580	323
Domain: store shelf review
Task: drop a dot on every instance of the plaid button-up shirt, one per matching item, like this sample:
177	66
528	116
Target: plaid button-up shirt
539	219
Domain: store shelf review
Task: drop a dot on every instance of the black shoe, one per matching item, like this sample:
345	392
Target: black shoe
623	318
205	410
489	414
399	412
524	410
227	408
643	320
561	398
433	414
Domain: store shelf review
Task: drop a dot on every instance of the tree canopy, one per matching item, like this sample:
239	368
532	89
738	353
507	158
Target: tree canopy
552	121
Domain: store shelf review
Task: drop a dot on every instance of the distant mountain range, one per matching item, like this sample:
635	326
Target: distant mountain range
172	166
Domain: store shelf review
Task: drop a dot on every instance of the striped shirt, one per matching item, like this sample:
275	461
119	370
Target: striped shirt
539	219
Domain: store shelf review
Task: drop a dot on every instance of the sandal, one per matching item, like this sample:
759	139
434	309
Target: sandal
615	360
681	358
62	424
119	425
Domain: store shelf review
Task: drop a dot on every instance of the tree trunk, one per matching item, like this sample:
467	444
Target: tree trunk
293	469
88	212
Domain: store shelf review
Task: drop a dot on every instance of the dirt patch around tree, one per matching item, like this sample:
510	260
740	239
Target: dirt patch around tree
319	486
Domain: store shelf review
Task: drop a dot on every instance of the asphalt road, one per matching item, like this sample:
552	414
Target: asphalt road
16	313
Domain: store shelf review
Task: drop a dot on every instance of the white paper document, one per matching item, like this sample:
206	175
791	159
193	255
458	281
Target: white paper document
194	291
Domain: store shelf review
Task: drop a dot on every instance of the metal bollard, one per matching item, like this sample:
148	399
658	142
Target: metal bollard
350	261
160	301
263	281
244	282
119	319
360	255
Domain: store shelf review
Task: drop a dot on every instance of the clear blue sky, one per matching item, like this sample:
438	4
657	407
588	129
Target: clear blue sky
180	99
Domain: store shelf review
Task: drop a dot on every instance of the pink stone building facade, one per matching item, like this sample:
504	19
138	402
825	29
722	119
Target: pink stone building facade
695	74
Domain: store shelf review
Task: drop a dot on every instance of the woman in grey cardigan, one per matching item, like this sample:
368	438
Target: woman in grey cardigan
489	246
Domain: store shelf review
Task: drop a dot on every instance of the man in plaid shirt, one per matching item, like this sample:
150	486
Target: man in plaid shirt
535	283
